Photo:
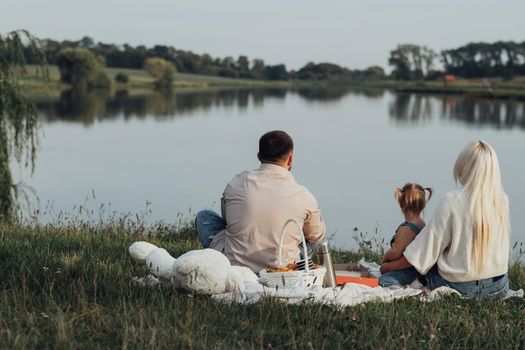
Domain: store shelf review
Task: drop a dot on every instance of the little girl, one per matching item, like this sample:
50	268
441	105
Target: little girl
412	200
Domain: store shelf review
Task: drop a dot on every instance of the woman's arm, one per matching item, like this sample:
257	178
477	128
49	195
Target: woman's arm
424	251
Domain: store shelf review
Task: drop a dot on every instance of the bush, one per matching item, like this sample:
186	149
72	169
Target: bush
162	72
434	75
374	73
228	73
101	80
82	69
122	78
277	72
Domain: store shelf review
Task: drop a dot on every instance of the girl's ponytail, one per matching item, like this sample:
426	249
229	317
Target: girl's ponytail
430	191
398	192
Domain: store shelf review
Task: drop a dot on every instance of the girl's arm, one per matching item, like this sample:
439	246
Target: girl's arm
404	237
398	264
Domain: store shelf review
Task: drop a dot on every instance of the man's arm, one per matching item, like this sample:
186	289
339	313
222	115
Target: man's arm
223	208
314	228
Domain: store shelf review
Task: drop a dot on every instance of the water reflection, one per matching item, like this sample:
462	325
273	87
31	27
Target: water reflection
405	108
498	114
86	108
410	108
89	107
334	93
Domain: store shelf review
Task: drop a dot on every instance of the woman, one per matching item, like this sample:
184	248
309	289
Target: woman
466	244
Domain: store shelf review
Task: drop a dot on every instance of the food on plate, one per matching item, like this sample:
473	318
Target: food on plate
286	268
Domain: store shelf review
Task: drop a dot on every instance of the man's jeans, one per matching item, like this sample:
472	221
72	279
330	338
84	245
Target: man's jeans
494	287
208	223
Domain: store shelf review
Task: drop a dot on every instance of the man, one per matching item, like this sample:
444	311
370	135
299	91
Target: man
256	204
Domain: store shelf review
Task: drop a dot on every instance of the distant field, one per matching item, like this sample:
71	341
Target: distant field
138	78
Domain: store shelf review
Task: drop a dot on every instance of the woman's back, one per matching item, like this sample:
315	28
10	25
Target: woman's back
449	239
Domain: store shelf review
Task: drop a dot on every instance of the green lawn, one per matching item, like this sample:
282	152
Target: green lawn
70	286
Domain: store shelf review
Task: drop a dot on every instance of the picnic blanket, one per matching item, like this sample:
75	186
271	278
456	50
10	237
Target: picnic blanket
349	294
247	289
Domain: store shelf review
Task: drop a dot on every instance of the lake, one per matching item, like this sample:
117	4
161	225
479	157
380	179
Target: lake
163	155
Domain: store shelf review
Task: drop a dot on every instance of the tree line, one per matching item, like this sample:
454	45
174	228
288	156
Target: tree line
128	56
500	59
408	61
474	60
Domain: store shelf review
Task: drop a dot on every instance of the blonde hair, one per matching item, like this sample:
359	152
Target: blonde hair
477	169
412	197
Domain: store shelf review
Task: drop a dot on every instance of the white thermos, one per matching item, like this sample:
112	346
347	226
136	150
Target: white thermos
324	259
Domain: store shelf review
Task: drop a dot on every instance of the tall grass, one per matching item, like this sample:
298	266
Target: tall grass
69	285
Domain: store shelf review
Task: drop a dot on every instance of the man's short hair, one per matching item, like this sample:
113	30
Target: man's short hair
275	146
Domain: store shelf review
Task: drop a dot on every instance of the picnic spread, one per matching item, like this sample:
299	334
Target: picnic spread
208	271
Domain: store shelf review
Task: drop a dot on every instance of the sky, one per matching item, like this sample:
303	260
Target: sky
352	33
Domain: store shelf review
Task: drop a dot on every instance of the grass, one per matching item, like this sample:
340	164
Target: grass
69	285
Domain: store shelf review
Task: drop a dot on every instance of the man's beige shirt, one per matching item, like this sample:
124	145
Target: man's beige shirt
255	206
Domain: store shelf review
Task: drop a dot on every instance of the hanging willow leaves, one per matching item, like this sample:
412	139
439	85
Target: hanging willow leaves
18	115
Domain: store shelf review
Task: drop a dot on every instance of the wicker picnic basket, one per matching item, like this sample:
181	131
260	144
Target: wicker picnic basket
300	278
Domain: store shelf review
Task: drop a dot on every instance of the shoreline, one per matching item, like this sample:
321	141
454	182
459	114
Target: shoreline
140	81
467	89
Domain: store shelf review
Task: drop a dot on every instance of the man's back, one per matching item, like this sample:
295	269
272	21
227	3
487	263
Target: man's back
255	206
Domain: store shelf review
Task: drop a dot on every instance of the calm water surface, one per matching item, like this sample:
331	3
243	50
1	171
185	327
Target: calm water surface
177	152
